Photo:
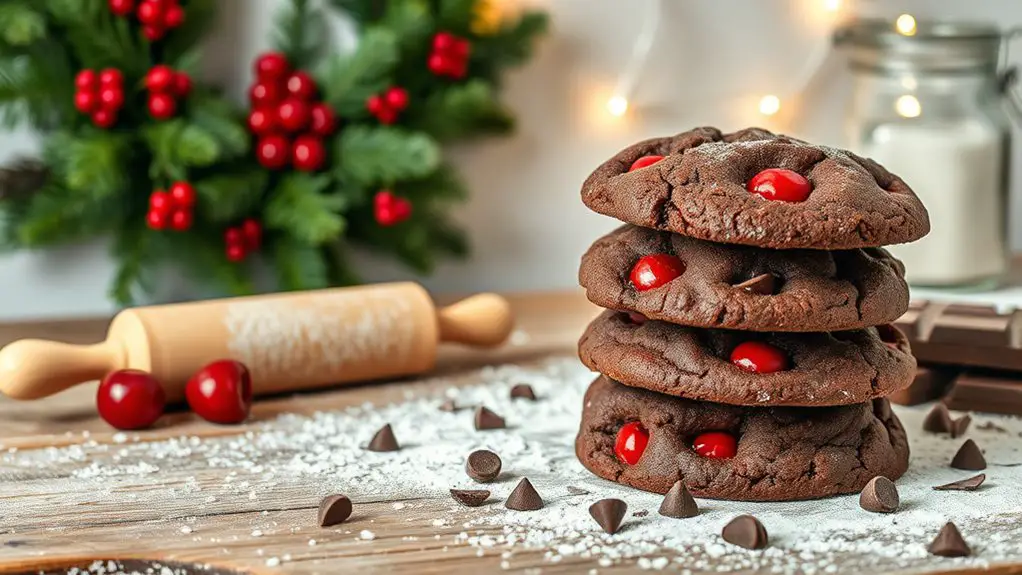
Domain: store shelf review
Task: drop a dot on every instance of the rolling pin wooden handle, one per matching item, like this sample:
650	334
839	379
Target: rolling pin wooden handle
483	320
34	368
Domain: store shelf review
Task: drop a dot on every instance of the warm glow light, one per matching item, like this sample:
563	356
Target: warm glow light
908	106
906	25
909	83
769	105
617	106
832	5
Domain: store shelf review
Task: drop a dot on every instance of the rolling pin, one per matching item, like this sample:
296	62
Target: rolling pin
289	341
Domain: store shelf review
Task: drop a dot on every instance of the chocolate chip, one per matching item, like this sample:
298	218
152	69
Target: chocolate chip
949	543
470	497
763	284
486	419
959	426
678	502
449	406
609	513
524	391
334	509
483	465
879	496
576	490
991	426
970	484
938	420
524	497
640	513
745	531
384	440
969	457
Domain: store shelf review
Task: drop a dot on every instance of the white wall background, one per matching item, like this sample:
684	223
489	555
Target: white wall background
710	63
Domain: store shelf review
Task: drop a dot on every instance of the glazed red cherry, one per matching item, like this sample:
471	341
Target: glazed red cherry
759	357
655	270
781	185
130	399
631	442
221	392
715	445
644	161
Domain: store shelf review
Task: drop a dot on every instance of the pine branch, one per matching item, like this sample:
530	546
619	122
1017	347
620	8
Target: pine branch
202	258
300	32
217	117
383	156
57	215
363	12
299	266
300	208
130	249
348	81
177	145
20	23
202	16
410	21
443	185
227	198
463	111
92	163
515	43
456	15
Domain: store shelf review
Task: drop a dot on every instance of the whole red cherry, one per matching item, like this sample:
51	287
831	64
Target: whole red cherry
655	270
759	357
781	185
221	392
715	445
631	442
644	161
130	399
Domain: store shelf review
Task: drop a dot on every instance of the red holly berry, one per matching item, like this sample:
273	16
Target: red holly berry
162	106
715	445
182	84
111	78
461	49
273	151
438	64
157	219
130	399
387	116
781	185
174	17
252	232
443	42
111	98
644	161
375	104
308	153
221	392
150	12
271	66
293	114
160	78
86	80
264	95
153	32
85	101
301	86
759	357
262	121
122	7
389	209
396	98
183	195
631	442
181	219
235	252
458	69
322	121
104	118
234	237
160	201
655	270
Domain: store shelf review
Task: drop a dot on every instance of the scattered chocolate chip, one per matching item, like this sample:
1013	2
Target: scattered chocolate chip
524	497
959	426
991	426
577	490
449	406
609	513
745	531
486	419
640	513
384	440
678	502
483	466
524	391
763	284
938	420
879	496
470	497
333	510
970	484
969	457
949	543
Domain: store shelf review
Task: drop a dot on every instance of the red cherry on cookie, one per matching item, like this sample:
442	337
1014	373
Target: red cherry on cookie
631	442
715	445
221	392
759	357
644	161
781	185
636	318
655	270
130	399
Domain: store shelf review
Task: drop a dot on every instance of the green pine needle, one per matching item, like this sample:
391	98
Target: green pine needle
383	156
300	208
349	80
299	266
20	23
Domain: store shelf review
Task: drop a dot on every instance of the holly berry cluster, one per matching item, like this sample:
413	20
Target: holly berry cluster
165	86
449	56
173	208
284	107
389	209
156	16
242	240
386	106
100	95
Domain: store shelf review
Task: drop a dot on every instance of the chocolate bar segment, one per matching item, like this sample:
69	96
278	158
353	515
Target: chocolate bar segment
992	392
964	335
929	384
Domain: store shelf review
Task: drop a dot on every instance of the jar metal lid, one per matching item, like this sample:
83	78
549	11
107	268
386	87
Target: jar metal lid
934	47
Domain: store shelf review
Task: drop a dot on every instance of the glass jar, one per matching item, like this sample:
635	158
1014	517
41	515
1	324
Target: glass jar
928	107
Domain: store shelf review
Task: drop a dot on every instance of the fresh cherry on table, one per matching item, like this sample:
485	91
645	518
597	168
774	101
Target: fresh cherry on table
221	392
644	161
715	445
655	270
631	442
759	357
130	399
781	185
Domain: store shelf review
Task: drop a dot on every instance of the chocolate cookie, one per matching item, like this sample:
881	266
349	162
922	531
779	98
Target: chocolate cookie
806	290
837	368
700	189
782	453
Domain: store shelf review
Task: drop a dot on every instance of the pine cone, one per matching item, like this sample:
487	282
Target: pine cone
21	178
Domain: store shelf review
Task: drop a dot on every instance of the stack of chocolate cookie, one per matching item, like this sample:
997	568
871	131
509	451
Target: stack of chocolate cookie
746	348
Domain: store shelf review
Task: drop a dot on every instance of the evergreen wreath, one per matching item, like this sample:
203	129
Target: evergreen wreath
333	149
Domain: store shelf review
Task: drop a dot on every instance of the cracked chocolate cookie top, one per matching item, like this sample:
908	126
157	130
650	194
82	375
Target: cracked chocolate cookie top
737	453
739	287
756	188
722	366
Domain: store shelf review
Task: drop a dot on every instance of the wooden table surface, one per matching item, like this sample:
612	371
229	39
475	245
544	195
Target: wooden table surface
44	525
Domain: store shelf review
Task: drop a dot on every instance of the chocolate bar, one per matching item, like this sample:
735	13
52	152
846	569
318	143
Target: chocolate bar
990	391
964	335
931	382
